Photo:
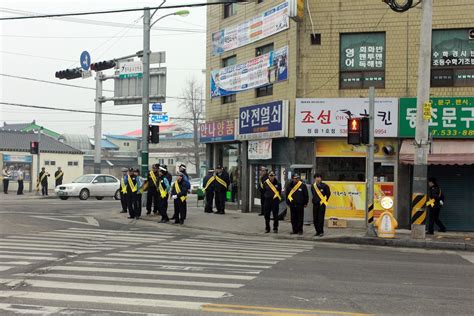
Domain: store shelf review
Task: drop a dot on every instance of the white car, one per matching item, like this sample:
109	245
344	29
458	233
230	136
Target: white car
97	185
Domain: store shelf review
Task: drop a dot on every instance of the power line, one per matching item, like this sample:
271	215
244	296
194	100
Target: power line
40	37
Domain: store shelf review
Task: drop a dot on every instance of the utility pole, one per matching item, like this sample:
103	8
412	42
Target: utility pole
369	198
420	170
98	122
38	160
146	90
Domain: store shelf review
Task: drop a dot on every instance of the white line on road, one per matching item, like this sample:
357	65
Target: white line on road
184	249
468	257
231	246
89	219
27	257
173	252
188	257
90	235
22	245
5	268
125	233
68	250
27	253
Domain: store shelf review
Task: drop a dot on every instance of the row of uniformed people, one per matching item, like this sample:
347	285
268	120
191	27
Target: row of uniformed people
215	185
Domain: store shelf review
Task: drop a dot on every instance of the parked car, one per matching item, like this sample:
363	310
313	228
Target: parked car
97	185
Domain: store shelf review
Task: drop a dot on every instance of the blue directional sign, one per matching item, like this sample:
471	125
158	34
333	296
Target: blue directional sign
158	118
85	60
156	107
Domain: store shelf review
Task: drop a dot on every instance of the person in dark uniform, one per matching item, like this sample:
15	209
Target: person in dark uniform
272	198
153	193
132	188
141	187
58	177
21	176
434	204
182	169
6	179
220	189
43	180
123	190
263	177
163	193
179	193
297	199
321	194
208	184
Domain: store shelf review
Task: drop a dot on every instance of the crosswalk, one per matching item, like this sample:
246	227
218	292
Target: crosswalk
129	271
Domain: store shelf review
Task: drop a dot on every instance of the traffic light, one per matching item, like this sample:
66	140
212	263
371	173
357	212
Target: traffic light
69	73
364	130
354	131
34	148
103	65
154	134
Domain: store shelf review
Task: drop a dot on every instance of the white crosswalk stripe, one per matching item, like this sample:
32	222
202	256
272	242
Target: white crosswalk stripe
155	270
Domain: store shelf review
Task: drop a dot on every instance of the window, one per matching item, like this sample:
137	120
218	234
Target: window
73	163
161	161
178	144
352	169
229	99
170	161
452	58
110	179
263	49
50	163
126	144
264	91
100	179
362	60
229	61
230	9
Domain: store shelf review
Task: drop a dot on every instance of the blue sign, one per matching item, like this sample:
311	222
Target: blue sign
17	158
157	107
158	118
261	121
85	60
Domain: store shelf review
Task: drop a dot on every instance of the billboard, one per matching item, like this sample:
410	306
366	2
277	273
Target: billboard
217	131
269	120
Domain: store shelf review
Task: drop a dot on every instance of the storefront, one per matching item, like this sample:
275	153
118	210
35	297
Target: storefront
451	157
16	162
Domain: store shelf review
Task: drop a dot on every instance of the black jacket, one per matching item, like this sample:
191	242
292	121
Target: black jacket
324	189
169	177
300	197
151	184
219	187
261	182
134	181
268	192
211	186
45	179
182	188
435	193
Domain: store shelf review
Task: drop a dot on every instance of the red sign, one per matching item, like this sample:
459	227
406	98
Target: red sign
217	131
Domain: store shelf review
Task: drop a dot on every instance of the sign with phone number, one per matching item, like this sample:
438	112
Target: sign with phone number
450	117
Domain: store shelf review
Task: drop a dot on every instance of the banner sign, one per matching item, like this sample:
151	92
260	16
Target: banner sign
262	70
17	158
340	148
450	117
131	70
269	120
260	149
270	22
328	117
217	131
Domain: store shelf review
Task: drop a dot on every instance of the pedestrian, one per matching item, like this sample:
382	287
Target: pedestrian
153	192
220	189
182	169
208	184
321	194
43	180
163	193
297	199
272	198
6	179
132	188
178	194
58	176
263	177
141	187
123	190
20	177
434	205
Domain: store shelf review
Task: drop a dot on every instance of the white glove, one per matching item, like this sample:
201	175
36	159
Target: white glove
174	197
441	203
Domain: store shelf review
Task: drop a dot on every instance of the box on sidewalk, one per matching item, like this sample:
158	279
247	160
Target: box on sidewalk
334	222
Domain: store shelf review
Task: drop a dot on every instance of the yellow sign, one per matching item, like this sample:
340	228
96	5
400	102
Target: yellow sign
340	148
427	111
300	9
386	225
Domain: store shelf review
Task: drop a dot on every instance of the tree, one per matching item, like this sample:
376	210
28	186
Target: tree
192	116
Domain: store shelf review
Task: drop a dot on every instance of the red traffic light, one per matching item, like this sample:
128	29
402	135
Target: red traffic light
34	148
354	131
354	125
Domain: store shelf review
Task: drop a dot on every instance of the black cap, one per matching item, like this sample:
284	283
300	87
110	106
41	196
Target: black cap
130	169
432	179
295	175
318	175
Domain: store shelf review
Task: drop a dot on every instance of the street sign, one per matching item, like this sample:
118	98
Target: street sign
427	111
131	70
86	74
85	60
156	119
129	91
156	108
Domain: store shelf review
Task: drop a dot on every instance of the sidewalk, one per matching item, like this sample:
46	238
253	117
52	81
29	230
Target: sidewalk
27	195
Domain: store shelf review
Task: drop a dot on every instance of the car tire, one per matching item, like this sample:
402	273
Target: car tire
117	195
64	198
99	198
84	194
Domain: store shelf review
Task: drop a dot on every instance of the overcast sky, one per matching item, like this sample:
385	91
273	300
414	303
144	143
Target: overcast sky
37	48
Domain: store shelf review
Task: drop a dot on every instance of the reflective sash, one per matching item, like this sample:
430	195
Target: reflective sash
59	175
162	191
272	187
124	187
323	198
296	187
178	190
431	202
153	178
211	179
221	181
134	188
144	187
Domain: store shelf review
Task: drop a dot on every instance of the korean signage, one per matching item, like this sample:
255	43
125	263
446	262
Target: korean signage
452	58
17	158
131	70
297	9
270	22
217	131
269	120
328	117
260	149
450	117
262	70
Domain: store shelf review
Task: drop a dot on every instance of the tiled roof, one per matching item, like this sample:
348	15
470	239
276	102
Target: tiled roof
20	141
15	127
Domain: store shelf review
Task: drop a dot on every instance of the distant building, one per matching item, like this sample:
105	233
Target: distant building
28	127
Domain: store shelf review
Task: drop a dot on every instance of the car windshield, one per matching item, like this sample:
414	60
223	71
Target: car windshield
84	179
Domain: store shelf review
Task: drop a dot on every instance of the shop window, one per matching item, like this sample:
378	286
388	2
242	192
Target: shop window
362	60
230	9
352	169
264	91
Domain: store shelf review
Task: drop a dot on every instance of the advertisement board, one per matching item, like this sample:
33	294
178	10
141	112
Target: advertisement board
260	149
340	148
217	131
269	120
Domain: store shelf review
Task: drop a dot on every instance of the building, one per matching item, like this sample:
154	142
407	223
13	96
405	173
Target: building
28	127
15	154
285	75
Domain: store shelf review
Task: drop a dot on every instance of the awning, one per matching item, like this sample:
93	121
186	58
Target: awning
443	152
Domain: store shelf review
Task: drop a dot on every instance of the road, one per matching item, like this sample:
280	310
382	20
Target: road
83	258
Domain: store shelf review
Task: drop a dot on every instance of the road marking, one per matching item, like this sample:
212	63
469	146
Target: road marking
27	257
114	232
91	221
5	268
189	257
18	263
149	272
27	253
468	257
109	300
263	310
132	280
25	245
90	235
231	246
177	248
173	251
301	244
121	288
68	250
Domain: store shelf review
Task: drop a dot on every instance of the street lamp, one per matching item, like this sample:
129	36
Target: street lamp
146	79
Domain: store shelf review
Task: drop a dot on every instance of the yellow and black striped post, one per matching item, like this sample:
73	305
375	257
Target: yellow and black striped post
418	211
370	214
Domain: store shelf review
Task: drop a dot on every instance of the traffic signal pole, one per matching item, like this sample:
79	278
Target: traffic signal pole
146	91
98	122
369	197
38	159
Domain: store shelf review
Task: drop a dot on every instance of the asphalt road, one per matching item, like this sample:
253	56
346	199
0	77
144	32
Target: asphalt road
74	257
